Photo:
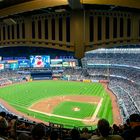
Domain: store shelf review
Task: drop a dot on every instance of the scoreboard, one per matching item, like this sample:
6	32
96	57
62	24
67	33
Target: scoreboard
39	61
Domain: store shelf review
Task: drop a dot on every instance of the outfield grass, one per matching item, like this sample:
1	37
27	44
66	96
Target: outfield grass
22	96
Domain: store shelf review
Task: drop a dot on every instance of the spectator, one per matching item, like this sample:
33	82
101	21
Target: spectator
13	126
104	129
37	133
54	135
3	124
116	130
134	131
75	134
85	133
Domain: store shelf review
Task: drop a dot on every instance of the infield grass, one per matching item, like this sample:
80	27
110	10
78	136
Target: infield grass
67	109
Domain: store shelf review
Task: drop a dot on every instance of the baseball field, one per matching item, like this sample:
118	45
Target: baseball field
68	103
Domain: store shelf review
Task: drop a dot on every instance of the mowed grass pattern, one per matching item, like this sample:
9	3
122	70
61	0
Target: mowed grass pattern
22	96
66	109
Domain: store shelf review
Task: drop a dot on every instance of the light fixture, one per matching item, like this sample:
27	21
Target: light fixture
60	10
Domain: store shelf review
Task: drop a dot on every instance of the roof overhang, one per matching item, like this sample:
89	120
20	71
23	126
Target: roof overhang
30	6
123	3
40	4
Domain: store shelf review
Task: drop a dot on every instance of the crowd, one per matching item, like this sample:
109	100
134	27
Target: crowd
115	61
75	74
9	77
121	88
126	57
14	128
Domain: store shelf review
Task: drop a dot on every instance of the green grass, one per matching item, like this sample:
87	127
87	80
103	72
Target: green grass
22	96
66	109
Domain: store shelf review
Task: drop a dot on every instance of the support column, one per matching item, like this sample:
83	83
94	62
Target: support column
103	29
64	29
118	27
87	35
2	33
6	35
111	30
36	29
28	27
125	28
135	31
78	31
20	30
15	31
43	28
49	29
56	29
11	32
95	29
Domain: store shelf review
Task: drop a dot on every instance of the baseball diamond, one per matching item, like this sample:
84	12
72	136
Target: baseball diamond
76	103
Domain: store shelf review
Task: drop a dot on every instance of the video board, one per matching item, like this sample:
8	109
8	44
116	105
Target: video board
13	64
72	64
69	62
39	61
56	62
6	66
66	64
1	66
24	63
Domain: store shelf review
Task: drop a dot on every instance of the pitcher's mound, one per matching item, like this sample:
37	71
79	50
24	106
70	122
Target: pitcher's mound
76	109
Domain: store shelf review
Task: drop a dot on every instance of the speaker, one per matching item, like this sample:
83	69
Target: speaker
75	4
9	21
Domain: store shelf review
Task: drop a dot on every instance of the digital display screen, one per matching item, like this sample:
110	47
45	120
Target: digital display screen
72	64
11	61
39	61
69	64
14	66
24	63
1	66
56	62
66	64
7	66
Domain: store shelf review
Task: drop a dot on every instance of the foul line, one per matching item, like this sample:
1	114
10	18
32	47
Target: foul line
59	116
97	110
